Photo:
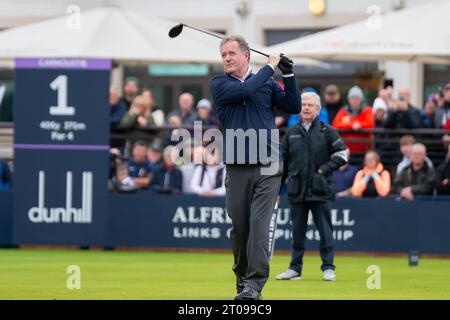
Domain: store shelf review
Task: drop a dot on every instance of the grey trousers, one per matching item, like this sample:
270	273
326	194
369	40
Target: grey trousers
250	199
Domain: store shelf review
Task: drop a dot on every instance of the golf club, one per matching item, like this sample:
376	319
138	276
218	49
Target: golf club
175	32
273	228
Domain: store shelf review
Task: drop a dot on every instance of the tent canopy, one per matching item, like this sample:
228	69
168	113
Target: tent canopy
118	34
108	33
419	33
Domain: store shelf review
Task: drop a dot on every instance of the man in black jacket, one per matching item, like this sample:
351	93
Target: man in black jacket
402	114
312	150
333	102
442	182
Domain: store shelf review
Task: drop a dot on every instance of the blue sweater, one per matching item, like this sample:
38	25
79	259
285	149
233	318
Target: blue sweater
250	105
174	180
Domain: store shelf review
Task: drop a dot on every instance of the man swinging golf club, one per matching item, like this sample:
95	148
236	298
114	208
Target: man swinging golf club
245	101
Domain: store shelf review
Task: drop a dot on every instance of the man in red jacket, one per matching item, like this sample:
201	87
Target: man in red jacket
355	116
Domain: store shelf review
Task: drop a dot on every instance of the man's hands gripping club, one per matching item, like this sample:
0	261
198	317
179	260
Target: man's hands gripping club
286	65
283	63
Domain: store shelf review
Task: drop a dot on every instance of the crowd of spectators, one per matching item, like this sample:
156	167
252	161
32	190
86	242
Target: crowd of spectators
149	165
157	170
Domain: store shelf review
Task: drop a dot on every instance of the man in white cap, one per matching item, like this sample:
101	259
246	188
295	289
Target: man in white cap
380	107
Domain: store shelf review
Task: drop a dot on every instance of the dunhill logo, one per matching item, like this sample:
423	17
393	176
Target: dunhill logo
42	214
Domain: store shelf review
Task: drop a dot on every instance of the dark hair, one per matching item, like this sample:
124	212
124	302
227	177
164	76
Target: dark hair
377	156
140	143
407	139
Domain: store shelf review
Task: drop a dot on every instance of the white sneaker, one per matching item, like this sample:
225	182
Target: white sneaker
289	274
328	275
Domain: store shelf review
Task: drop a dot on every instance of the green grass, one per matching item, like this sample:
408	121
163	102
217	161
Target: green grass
41	274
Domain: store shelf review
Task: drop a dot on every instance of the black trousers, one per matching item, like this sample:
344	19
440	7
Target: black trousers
250	199
321	213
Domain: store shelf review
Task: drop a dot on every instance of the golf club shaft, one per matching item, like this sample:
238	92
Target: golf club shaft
221	37
273	229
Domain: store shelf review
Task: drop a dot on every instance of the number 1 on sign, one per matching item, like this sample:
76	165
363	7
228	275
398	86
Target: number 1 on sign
62	109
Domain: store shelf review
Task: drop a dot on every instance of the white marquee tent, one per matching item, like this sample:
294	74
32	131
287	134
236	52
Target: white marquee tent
418	33
115	33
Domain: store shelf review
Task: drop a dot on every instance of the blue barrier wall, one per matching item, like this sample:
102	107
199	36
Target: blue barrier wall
188	221
5	217
364	225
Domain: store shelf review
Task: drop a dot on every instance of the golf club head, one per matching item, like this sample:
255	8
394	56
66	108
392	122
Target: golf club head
175	31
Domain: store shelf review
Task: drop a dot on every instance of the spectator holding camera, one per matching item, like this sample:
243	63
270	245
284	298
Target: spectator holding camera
122	180
373	180
401	114
119	179
139	168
